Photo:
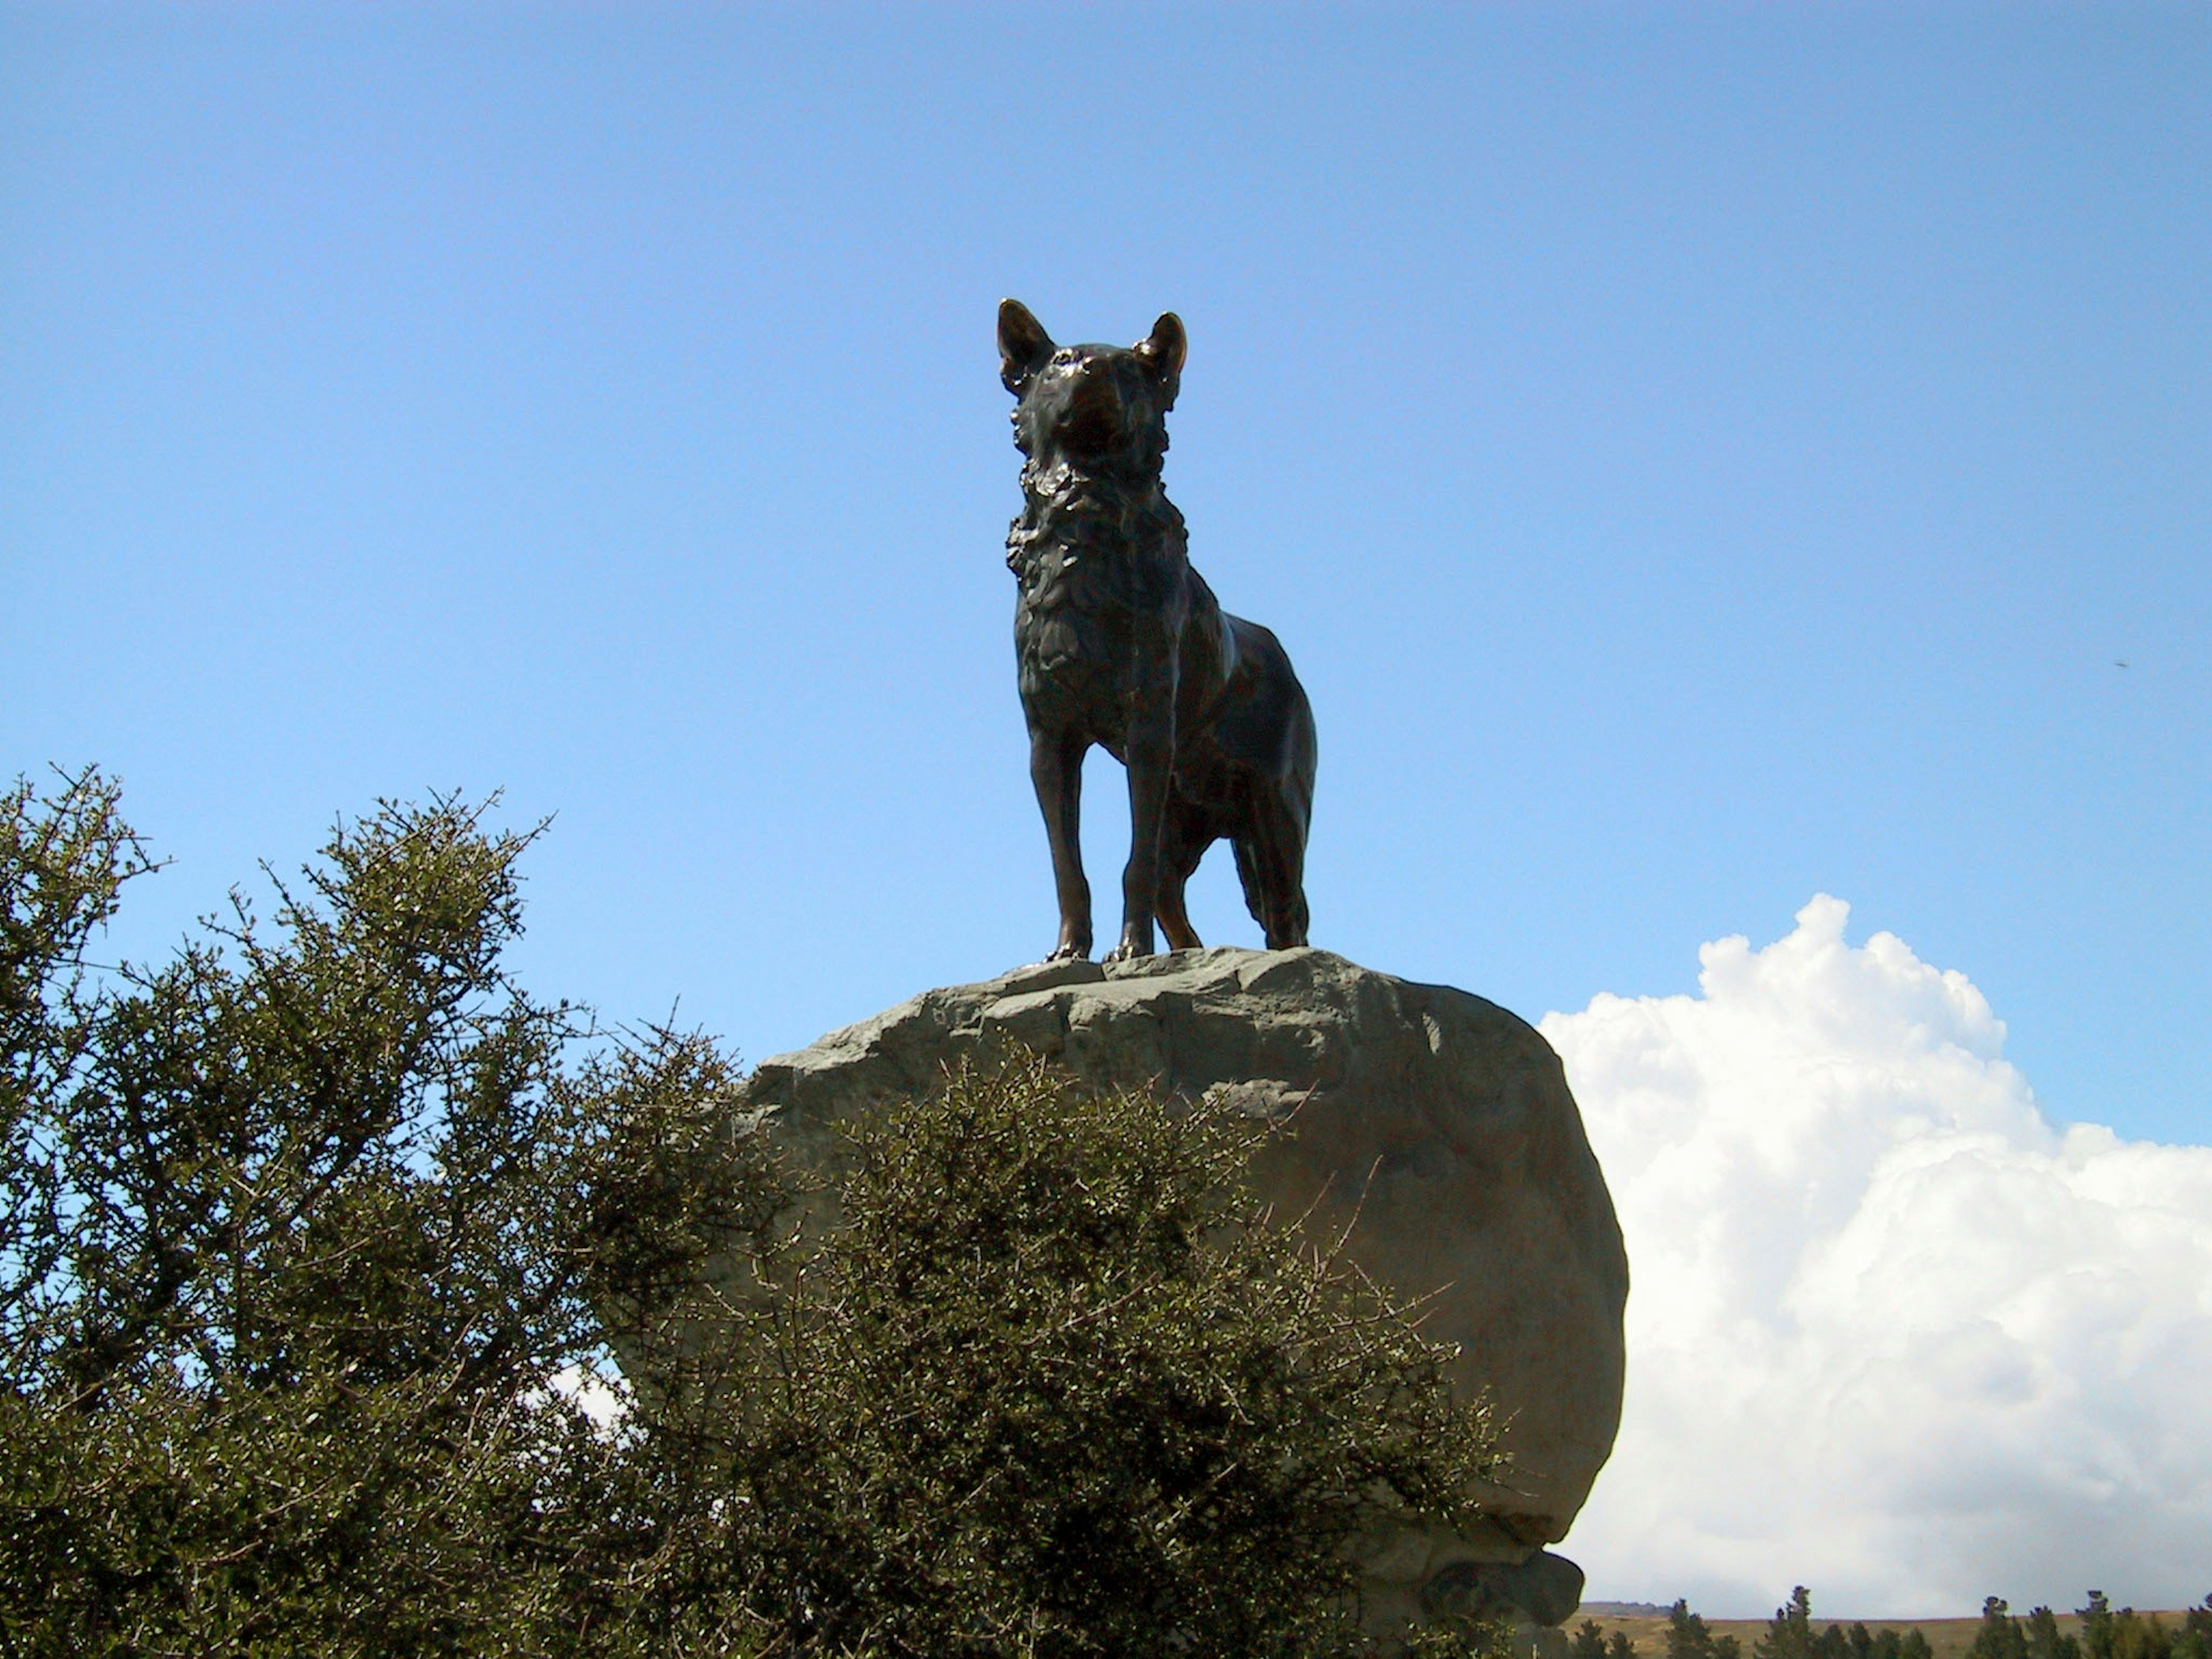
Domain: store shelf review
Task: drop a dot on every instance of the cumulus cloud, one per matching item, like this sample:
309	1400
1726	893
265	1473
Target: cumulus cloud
598	1391
1892	1334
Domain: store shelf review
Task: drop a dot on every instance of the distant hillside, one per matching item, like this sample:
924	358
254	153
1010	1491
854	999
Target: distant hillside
1948	1639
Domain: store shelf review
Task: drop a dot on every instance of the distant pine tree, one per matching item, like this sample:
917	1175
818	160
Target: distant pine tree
2097	1627
2000	1636
1687	1636
2046	1640
2127	1634
1789	1633
2195	1641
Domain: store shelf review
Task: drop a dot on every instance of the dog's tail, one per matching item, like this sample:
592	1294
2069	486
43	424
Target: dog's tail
1271	853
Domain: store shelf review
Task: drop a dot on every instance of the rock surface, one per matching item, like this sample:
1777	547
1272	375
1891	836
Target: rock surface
1439	1121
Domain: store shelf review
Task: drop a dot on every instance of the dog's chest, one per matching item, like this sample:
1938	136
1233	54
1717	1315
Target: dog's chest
1100	586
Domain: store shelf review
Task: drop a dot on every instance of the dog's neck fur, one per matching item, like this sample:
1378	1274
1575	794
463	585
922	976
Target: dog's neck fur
1067	510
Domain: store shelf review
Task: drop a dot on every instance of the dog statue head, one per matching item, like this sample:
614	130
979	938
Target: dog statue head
1097	409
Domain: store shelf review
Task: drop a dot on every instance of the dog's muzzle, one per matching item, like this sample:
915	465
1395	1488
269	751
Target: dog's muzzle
1094	418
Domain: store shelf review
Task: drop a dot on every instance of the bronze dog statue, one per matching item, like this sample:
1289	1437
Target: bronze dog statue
1122	643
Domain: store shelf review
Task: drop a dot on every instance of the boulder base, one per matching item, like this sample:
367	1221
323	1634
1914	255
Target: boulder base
1435	1124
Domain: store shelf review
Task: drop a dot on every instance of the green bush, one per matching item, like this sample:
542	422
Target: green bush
1055	1385
307	1236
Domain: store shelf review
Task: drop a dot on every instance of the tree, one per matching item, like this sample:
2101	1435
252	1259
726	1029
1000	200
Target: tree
298	1242
1591	1642
62	863
2127	1634
2097	1633
2195	1640
1689	1637
2045	1640
1999	1635
1790	1633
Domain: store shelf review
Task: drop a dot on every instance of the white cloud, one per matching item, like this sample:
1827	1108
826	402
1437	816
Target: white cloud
1891	1334
598	1391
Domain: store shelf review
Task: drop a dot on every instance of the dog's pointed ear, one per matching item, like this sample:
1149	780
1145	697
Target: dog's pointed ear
1023	344
1164	348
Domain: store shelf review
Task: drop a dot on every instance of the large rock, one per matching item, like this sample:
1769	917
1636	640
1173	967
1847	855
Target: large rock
1442	1122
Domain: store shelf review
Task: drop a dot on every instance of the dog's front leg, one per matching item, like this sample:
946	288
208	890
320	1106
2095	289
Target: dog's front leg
1057	769
1149	751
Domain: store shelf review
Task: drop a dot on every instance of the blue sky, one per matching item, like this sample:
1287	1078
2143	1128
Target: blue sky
1698	457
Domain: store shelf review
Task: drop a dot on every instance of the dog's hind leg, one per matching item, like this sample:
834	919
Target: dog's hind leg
1057	769
1183	840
